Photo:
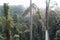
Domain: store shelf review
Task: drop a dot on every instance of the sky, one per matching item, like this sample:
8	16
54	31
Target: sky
26	3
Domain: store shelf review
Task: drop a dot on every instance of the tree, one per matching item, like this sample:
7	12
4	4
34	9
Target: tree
9	23
37	24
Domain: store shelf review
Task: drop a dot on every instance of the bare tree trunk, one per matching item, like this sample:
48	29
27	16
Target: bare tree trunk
30	19
46	15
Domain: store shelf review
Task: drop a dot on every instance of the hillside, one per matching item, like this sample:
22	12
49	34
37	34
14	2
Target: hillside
13	10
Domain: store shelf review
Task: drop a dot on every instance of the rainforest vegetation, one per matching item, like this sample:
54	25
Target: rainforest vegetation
15	22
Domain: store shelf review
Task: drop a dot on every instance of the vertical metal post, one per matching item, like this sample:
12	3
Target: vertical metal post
30	19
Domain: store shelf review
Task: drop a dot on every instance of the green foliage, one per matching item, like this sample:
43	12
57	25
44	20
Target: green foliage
14	28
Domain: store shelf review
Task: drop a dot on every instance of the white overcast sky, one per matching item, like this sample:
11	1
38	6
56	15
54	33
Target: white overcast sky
26	3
